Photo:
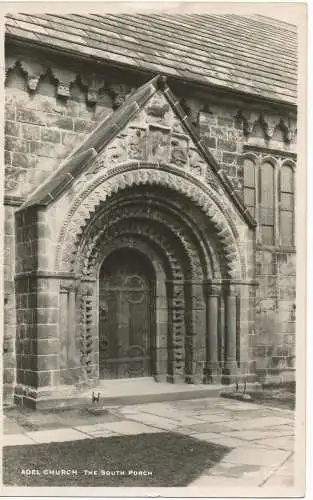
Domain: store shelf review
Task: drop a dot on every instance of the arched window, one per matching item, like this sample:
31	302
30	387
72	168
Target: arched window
286	199
267	200
249	185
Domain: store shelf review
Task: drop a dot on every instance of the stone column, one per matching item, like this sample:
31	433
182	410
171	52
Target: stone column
88	366
213	303
197	331
71	344
230	333
178	331
63	332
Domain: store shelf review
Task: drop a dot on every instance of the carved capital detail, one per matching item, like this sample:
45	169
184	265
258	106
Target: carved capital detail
213	289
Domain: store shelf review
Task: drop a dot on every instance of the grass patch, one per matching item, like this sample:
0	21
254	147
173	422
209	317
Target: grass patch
170	460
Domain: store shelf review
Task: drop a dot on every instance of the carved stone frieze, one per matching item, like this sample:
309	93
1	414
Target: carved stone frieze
196	162
159	143
157	108
137	143
116	152
180	150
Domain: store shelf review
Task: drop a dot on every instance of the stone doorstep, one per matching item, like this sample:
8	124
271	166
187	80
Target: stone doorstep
63	397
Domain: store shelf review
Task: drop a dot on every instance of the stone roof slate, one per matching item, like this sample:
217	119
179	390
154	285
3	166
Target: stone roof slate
248	54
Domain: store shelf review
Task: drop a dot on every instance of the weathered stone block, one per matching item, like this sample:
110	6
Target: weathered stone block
50	135
45	299
226	145
59	122
47	315
30	132
10	111
84	126
46	331
47	362
16	144
24	161
210	142
12	128
30	116
20	376
224	121
45	346
8	375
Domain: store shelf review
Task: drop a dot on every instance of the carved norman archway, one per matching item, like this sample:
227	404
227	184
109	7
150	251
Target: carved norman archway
132	174
192	248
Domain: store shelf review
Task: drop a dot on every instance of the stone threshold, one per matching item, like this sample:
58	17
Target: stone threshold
127	392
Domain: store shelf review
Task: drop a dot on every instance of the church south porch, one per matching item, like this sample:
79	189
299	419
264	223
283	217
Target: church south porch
135	259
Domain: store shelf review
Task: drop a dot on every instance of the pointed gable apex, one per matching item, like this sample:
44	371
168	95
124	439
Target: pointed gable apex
90	150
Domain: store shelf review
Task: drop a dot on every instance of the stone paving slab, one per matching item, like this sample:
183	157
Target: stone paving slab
17	440
214	418
253	474
260	438
154	420
279	481
208	427
126	427
263	457
96	430
56	435
256	434
254	423
219	439
10	427
280	443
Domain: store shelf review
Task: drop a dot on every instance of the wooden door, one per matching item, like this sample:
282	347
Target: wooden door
125	313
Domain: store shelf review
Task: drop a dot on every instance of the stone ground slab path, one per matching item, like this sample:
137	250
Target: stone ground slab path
262	438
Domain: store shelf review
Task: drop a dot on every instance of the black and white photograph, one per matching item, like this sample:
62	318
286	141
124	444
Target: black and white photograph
154	209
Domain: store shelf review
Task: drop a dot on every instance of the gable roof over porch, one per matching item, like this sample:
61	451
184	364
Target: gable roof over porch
78	161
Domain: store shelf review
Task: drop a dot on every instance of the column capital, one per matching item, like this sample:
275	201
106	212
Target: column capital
68	286
213	288
86	289
231	289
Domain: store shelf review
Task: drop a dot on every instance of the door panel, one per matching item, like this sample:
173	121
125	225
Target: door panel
125	327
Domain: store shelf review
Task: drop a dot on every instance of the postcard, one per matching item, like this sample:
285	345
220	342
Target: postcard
154	249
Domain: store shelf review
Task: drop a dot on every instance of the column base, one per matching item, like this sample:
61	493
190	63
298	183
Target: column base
229	372
62	396
176	379
161	378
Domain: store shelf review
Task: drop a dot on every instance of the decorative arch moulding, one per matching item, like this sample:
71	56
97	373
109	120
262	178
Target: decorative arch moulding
174	223
89	200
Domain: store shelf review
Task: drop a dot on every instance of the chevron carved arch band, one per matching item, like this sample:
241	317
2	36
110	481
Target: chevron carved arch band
125	176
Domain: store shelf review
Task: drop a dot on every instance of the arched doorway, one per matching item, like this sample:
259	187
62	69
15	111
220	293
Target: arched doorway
143	240
126	316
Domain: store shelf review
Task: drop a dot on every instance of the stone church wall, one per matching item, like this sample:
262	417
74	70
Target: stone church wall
50	110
